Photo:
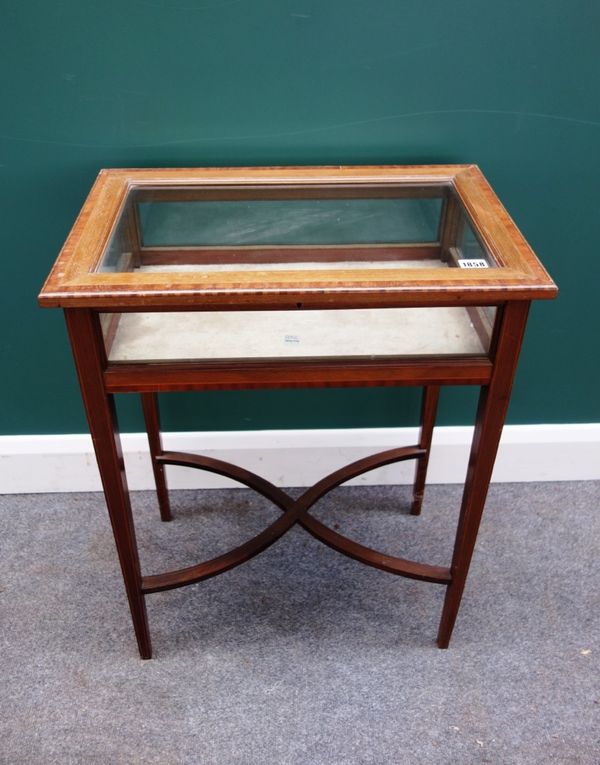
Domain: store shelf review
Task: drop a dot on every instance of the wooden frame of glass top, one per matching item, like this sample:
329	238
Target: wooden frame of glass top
77	280
112	269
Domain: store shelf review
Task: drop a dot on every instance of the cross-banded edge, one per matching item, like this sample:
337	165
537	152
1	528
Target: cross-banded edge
293	511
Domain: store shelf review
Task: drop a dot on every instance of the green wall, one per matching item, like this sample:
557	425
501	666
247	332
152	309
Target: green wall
512	86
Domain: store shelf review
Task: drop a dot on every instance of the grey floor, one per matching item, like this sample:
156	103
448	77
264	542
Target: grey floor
302	655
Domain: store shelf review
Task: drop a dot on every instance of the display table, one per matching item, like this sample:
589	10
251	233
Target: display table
230	278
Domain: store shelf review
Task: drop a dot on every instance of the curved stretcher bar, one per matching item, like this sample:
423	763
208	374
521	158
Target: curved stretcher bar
294	511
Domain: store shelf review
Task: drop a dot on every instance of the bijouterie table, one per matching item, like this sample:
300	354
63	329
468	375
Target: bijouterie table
230	278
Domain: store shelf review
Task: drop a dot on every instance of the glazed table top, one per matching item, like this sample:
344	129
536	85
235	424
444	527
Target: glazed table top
286	238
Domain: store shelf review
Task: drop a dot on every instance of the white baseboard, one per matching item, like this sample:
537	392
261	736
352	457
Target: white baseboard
66	463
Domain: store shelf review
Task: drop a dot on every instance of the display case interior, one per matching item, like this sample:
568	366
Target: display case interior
245	228
204	230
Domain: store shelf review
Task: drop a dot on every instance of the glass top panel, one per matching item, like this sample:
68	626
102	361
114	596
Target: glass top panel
193	228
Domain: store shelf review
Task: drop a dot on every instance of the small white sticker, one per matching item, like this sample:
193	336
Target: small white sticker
291	339
472	263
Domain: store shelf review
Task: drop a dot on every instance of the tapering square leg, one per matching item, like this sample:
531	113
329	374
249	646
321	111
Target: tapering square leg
152	420
429	404
491	413
90	361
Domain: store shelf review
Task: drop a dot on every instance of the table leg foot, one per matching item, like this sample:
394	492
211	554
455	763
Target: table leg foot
450	612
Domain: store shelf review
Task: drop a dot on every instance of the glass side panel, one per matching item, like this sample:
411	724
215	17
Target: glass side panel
469	252
289	222
262	335
252	228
